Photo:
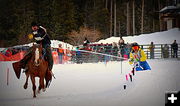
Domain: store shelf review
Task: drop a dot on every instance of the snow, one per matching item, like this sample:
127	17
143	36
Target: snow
99	84
95	84
165	37
54	44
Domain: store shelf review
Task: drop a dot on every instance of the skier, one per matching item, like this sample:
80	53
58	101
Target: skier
151	49
138	58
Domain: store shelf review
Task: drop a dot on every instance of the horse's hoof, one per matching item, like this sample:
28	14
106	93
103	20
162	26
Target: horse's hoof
44	90
38	91
25	86
34	96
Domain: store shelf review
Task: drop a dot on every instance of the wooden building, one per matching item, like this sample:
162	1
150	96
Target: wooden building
170	17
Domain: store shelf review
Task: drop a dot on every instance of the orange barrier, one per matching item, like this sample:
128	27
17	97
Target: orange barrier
16	57
67	55
20	56
55	57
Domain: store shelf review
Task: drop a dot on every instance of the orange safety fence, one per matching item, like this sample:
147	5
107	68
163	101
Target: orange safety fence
15	57
67	55
20	55
55	57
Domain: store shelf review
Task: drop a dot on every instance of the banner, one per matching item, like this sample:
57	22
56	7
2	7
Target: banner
16	57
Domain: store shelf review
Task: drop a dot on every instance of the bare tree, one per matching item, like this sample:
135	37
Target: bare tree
77	37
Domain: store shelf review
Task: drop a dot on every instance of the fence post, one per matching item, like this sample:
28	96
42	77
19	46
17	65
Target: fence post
171	52
161	51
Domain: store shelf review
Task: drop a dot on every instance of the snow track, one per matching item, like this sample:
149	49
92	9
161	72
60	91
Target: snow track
94	84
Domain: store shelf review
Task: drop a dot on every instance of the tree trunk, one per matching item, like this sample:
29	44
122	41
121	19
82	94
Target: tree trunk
153	25
142	17
114	17
119	29
128	21
134	30
160	22
111	20
94	28
106	4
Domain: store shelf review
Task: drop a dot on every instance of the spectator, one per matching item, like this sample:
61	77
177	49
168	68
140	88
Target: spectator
121	46
151	49
68	52
165	51
78	56
8	52
14	51
121	41
128	49
60	53
114	49
101	50
86	42
174	47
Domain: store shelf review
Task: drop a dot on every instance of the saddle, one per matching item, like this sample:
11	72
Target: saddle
17	66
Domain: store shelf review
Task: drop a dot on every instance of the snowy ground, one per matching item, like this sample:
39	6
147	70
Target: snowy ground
95	85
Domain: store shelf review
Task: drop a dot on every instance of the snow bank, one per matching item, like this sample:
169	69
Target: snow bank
165	37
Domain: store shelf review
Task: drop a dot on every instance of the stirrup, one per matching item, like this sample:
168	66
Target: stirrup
25	70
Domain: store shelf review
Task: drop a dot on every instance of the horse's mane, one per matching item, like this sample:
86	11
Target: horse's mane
39	46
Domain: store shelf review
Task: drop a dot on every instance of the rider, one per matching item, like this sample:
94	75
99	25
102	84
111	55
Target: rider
41	37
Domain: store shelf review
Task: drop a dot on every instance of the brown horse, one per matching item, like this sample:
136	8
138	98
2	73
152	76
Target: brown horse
37	67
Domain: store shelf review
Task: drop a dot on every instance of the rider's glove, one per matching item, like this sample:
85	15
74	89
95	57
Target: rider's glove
35	32
38	38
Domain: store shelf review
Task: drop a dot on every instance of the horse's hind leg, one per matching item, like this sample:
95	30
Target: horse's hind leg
26	83
42	83
34	86
48	78
39	89
40	86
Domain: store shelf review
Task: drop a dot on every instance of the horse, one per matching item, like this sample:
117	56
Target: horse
37	66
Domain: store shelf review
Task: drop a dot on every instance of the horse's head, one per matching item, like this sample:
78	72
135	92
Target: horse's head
37	53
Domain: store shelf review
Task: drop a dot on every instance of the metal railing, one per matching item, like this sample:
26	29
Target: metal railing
104	53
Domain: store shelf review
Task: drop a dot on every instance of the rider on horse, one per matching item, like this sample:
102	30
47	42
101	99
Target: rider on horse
41	37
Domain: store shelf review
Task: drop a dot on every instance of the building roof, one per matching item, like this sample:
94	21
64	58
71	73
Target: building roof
170	9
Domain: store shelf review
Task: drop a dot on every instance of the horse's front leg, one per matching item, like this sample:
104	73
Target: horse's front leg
34	86
27	77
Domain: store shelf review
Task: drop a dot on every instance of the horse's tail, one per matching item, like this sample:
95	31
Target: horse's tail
48	78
